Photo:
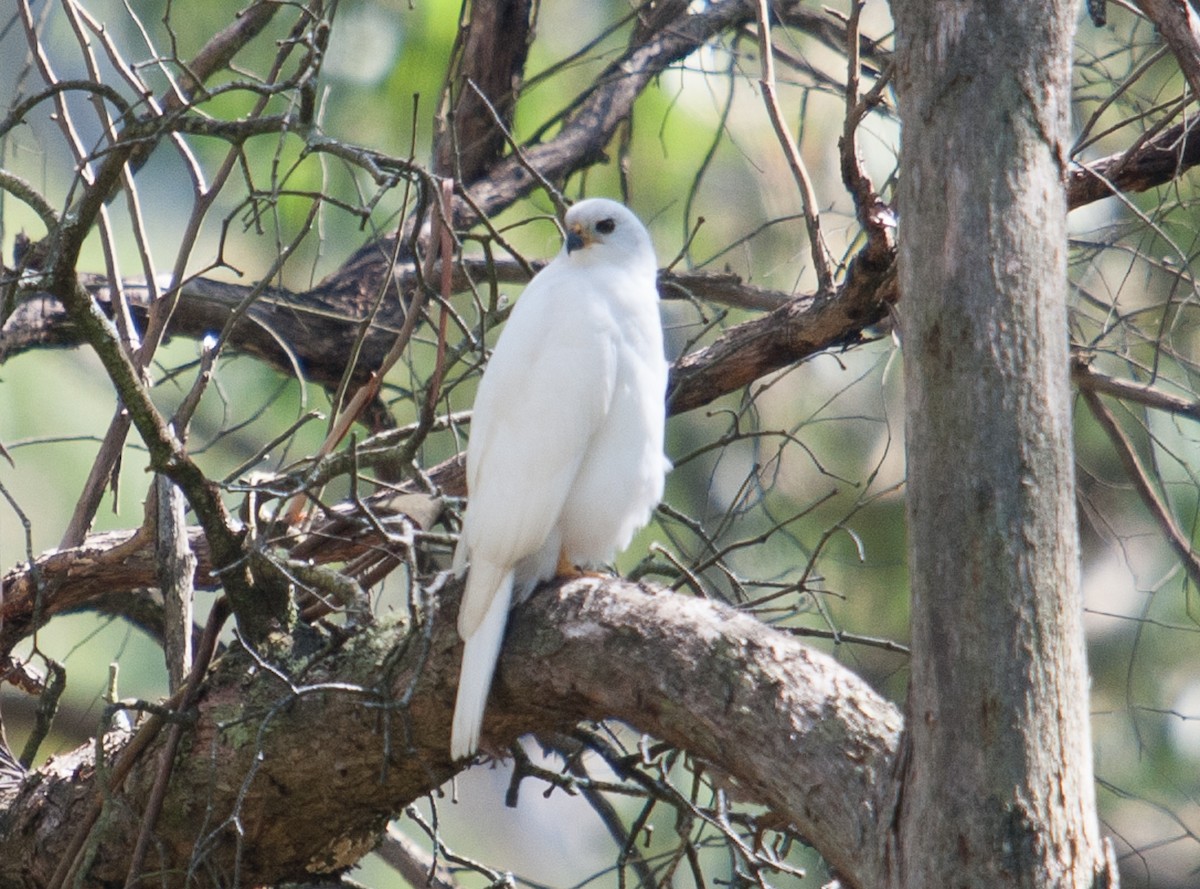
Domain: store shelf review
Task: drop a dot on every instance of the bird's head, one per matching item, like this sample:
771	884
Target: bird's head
600	230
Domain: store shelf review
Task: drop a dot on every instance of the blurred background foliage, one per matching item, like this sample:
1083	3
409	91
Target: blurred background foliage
786	499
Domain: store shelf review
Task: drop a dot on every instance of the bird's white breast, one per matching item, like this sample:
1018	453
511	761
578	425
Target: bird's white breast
620	479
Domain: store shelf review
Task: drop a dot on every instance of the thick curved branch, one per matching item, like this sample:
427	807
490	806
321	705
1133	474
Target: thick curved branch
313	748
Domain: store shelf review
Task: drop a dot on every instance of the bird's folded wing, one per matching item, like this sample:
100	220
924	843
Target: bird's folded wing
545	395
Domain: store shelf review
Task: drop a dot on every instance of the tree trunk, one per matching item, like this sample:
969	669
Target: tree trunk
997	788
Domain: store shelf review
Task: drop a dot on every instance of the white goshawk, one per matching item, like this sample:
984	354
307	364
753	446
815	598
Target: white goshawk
565	459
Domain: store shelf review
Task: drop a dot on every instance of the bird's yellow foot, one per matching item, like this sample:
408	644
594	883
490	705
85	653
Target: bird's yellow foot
568	569
565	567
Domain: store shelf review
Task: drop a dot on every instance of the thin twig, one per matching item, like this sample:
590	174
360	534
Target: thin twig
442	246
1179	541
560	203
187	697
808	196
1087	377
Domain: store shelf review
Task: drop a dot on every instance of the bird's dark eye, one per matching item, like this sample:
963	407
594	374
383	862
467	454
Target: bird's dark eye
605	226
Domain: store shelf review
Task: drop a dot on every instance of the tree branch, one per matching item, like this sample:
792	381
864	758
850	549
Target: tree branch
318	327
1087	377
1147	165
801	328
483	80
309	750
1159	509
1179	25
587	130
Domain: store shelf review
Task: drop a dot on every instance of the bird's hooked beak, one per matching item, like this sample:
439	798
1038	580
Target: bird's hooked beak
577	238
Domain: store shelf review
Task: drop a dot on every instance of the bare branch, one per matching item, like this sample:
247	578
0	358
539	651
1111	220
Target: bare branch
1179	541
588	649
801	328
808	195
1087	377
588	129
1180	27
481	88
414	865
1158	161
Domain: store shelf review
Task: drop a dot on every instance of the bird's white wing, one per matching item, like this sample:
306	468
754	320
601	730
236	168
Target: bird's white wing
543	398
545	395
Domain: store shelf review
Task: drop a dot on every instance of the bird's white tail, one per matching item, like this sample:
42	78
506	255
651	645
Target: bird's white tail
488	587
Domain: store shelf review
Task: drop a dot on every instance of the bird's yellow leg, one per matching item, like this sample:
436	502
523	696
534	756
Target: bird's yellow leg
565	567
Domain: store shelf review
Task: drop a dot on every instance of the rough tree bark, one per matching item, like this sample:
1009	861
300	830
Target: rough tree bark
997	786
298	756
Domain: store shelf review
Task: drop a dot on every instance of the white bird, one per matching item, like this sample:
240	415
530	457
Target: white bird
565	460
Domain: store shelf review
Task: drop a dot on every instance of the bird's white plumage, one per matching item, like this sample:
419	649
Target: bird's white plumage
566	446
